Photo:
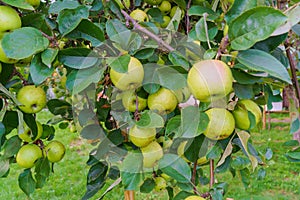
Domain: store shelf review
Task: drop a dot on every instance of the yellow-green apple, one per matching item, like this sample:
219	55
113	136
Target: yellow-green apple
33	99
166	21
141	137
28	155
9	20
194	197
221	124
164	101
132	79
241	115
130	100
160	183
139	15
151	154
210	80
27	135
55	151
165	7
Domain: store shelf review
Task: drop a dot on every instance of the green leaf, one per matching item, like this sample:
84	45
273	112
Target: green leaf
243	91
58	6
120	63
38	21
156	15
48	56
89	31
238	8
190	117
261	61
196	148
39	71
92	132
150	119
180	3
245	175
173	125
201	32
294	155
199	11
290	143
78	80
59	107
131	171
254	25
26	182
271	43
179	60
227	152
78	58
176	167
240	163
215	152
293	18
19	4
42	172
11	146
24	42
147	186
4	166
144	53
69	19
182	195
10	121
243	77
203	122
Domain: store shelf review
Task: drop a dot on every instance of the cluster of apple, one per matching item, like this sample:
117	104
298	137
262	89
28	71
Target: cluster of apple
10	21
208	81
32	100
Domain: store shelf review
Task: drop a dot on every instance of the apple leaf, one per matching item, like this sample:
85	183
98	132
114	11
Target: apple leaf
59	107
19	4
39	71
42	172
92	132
240	163
12	146
238	8
78	58
4	166
200	29
182	195
190	118
177	59
261	61
89	31
48	56
150	119
173	126
69	19
254	25
10	121
58	6
227	152
24	42
196	148
26	182
147	186
176	167
200	10
120	63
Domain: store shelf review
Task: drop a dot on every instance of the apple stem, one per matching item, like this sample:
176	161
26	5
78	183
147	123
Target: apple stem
193	179
187	18
147	32
212	175
16	73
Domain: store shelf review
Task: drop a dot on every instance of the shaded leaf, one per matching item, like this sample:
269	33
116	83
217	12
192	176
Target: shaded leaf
26	182
92	132
147	186
39	71
19	4
150	119
238	8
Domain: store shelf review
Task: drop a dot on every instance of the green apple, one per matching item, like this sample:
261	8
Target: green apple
160	183
210	80
28	155
4	58
27	134
194	197
55	151
173	11
151	154
141	137
165	6
129	101
153	2
0	68
164	101
139	15
34	3
32	98
241	116
9	20
132	79
221	124
166	21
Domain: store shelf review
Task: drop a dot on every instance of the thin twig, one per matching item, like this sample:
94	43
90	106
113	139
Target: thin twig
193	179
17	73
222	48
187	18
147	32
212	175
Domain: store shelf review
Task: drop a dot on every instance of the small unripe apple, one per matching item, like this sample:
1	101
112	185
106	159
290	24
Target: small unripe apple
129	100
32	98
164	101
194	197
141	137
165	6
166	21
55	151
151	154
221	124
28	155
210	80
27	134
160	183
241	116
9	20
139	15
132	79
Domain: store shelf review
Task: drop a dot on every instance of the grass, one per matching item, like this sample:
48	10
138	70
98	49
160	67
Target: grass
68	182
